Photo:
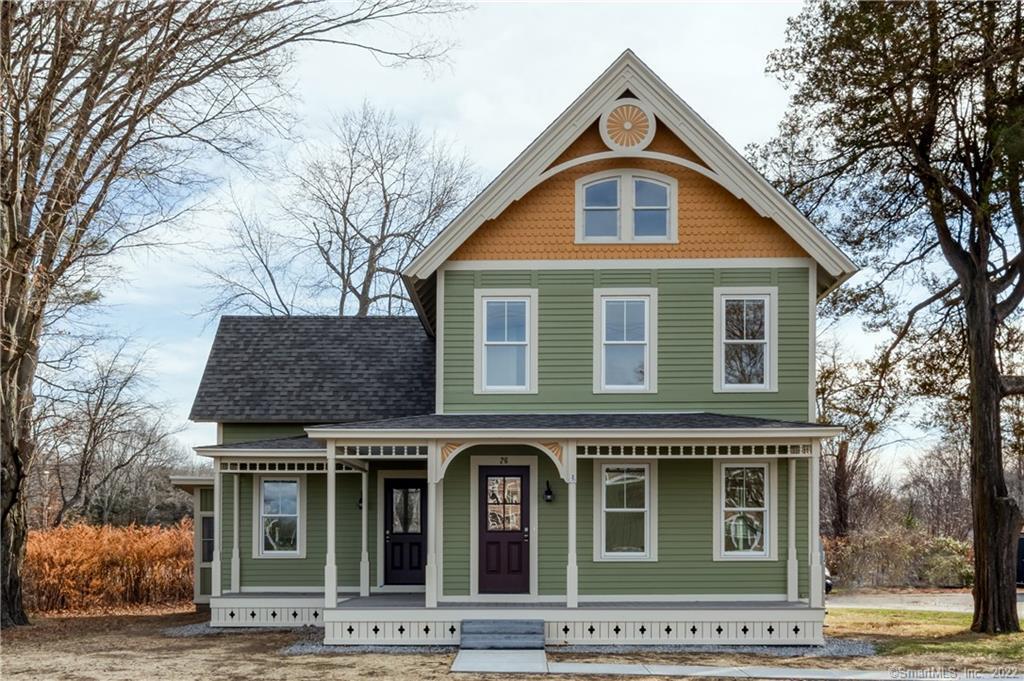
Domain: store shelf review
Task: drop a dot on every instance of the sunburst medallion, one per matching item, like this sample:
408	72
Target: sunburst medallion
627	125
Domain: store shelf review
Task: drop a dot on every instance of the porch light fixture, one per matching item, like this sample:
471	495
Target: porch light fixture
549	496
359	504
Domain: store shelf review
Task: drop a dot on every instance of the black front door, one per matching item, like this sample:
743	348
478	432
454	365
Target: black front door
504	530
405	530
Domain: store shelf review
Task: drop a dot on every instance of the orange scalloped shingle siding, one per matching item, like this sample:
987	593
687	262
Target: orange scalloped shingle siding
712	222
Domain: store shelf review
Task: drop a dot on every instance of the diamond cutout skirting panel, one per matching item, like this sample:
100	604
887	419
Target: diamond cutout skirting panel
682	632
270	616
440	632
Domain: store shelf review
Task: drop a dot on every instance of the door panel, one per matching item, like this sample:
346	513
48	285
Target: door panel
405	530
504	530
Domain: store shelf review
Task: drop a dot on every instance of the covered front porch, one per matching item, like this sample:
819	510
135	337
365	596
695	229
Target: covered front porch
420	529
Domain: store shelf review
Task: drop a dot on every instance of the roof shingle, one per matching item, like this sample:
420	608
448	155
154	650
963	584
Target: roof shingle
316	370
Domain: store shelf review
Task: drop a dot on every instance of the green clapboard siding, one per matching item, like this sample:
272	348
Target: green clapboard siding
549	528
685	342
685	541
204	581
248	432
206	500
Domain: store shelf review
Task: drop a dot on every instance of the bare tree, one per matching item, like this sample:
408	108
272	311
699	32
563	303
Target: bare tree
360	207
109	111
869	405
96	428
904	139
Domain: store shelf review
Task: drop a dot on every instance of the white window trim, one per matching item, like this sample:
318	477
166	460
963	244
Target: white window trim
651	375
771	542
257	518
770	294
651	526
626	206
481	295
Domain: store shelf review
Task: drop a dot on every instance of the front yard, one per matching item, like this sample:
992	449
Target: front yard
132	647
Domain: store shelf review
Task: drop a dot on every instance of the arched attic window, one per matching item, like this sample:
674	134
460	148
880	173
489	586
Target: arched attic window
626	205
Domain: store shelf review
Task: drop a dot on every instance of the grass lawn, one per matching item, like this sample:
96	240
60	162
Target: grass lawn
132	646
905	633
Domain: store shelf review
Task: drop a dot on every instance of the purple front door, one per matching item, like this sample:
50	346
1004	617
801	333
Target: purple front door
504	530
405	530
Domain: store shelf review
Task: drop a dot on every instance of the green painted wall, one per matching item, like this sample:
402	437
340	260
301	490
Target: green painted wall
685	343
206	500
247	432
549	529
685	541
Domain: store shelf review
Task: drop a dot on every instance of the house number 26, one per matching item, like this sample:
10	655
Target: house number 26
503	459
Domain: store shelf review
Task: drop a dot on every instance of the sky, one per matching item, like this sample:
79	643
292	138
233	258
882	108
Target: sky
512	69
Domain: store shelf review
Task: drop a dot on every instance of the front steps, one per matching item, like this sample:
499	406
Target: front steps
502	635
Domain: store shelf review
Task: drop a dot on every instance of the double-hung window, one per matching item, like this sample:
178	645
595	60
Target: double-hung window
506	341
745	339
626	206
280	521
744	513
625	330
626	524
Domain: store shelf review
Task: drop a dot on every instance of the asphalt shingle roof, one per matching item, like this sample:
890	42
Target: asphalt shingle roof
625	421
316	370
282	443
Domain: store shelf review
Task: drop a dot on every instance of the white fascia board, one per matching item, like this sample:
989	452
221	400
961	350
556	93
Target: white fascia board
628	72
351	434
249	453
188	483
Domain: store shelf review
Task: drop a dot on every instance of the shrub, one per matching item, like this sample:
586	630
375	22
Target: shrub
899	557
85	567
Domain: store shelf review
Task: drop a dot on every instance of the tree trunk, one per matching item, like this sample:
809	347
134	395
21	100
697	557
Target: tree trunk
18	450
841	489
997	520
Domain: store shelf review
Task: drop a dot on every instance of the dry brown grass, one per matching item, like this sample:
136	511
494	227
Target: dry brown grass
102	568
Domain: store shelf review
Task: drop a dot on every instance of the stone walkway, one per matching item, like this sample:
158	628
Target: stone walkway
535	662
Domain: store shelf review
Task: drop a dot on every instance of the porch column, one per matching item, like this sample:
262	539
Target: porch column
236	561
218	515
817	578
364	555
330	561
571	571
792	567
430	577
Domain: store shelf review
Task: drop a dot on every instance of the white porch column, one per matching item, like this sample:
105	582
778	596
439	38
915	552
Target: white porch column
364	554
817	577
218	515
571	571
433	466
330	561
792	567
236	559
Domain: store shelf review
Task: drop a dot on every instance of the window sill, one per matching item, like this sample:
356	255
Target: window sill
745	389
625	559
278	556
744	558
505	391
627	391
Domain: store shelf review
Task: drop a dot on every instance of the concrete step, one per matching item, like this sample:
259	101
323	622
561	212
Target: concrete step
503	627
502	642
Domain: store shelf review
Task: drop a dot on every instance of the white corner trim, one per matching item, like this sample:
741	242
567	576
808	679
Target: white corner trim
651	294
480	297
626	206
257	504
474	525
771	552
651	521
383	475
770	294
439	346
812	342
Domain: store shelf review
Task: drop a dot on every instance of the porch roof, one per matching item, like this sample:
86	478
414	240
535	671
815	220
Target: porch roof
614	425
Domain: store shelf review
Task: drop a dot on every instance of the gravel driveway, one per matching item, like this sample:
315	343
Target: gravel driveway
957	600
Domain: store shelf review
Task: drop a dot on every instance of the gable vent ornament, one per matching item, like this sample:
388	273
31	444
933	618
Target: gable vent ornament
627	125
